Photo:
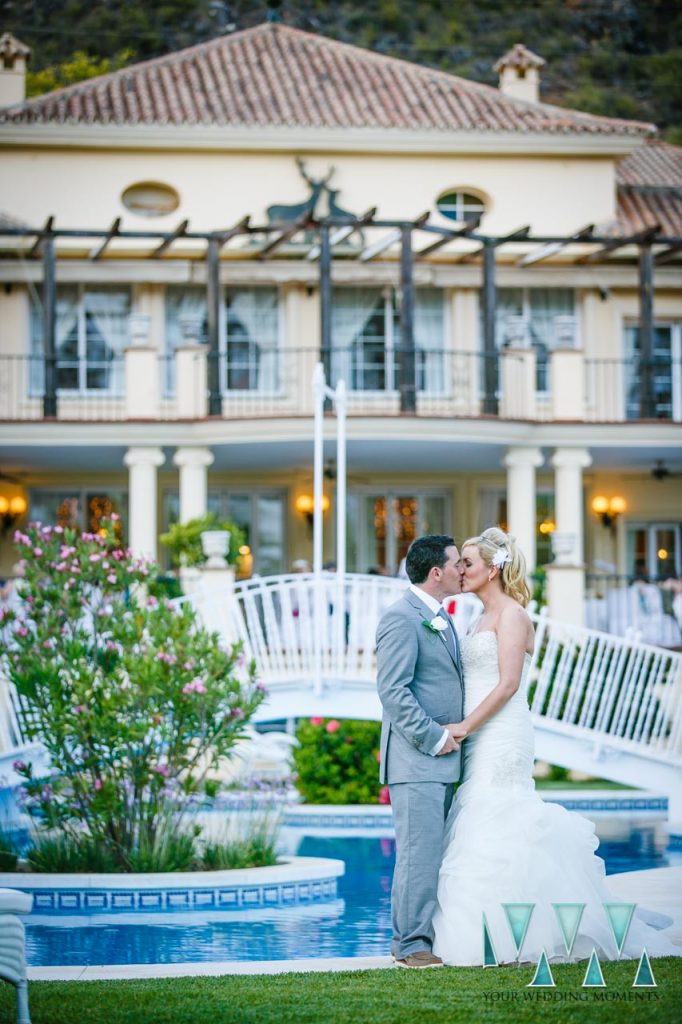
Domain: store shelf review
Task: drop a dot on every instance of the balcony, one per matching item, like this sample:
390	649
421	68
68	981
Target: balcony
192	384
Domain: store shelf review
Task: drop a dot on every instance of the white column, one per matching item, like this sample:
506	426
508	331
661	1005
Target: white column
521	464
193	464
142	463
566	575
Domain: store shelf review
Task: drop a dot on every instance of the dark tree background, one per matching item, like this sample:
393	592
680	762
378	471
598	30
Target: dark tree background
622	58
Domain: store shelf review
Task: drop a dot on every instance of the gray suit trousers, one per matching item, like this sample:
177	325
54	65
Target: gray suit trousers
419	813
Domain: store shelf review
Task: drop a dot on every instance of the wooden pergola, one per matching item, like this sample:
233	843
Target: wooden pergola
582	247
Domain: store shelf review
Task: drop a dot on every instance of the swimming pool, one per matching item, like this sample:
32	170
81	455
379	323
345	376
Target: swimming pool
355	923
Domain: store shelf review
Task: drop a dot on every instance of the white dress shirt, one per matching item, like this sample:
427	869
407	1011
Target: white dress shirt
436	609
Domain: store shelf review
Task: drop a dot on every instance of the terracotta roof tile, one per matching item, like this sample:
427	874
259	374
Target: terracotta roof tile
279	76
650	189
656	163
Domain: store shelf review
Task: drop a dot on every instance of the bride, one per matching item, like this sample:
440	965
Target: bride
503	843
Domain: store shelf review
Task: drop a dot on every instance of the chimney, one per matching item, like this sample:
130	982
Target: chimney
519	72
13	60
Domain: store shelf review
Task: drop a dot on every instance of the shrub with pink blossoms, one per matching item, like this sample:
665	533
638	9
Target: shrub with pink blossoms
135	702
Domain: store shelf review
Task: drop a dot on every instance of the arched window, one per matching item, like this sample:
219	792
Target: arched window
460	206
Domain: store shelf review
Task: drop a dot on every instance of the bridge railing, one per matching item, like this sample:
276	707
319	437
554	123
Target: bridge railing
591	683
317	633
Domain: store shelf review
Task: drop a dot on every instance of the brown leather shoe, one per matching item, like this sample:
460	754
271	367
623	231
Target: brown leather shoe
419	960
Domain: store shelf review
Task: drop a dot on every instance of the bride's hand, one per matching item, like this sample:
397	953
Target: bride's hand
458	731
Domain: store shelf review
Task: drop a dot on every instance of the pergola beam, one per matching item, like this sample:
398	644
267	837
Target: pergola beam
240	228
342	233
283	236
462	232
551	248
37	245
97	250
667	254
618	243
515	236
180	230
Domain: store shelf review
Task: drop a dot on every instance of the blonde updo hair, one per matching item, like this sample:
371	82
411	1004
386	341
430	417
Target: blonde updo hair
512	573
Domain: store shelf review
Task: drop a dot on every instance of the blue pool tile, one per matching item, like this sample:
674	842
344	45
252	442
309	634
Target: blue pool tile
96	900
177	899
228	897
204	898
123	900
151	899
251	896
69	900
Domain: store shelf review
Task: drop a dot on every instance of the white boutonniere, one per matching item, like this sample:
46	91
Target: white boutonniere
436	625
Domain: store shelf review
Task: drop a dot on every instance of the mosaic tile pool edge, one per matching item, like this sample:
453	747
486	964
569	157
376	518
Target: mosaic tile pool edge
271	894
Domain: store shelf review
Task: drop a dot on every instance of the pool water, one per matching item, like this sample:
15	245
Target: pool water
356	923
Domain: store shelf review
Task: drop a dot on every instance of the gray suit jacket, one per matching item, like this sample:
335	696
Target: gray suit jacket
420	686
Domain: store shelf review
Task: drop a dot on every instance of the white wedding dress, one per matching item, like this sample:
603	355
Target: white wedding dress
505	844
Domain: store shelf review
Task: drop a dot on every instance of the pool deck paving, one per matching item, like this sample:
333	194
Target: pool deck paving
658	890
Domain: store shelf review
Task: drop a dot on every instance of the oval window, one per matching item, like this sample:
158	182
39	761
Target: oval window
150	199
461	206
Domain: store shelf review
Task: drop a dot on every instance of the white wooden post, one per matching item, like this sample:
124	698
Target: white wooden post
339	398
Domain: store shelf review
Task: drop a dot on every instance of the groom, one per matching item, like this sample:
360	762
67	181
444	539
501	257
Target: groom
419	678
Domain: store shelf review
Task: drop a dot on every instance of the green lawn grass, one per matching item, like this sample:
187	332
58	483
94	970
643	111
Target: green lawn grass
451	995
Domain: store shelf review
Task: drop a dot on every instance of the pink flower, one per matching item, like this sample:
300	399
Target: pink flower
237	713
95	557
98	784
161	769
21	631
332	726
317	721
19	766
79	709
195	686
384	795
37	552
21	538
59	529
111	577
114	517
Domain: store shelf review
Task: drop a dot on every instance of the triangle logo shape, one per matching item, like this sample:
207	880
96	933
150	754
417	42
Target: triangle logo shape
645	976
593	975
489	955
518	918
569	916
543	974
619	915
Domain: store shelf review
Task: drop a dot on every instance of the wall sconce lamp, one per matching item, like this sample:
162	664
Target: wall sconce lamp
608	509
547	527
305	504
11	509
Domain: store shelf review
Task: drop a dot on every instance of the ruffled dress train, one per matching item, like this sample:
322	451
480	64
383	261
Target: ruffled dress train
505	844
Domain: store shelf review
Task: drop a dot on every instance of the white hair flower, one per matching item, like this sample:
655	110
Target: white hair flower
501	557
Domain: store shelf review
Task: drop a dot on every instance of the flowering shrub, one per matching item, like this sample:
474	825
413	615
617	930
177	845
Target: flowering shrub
337	761
135	702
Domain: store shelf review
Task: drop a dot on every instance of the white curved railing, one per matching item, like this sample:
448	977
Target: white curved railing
319	633
315	636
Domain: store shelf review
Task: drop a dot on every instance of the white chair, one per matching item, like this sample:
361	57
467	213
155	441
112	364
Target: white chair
13	946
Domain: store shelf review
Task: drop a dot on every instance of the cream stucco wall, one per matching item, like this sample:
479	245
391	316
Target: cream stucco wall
83	188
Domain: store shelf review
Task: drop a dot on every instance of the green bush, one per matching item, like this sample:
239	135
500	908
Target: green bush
336	762
183	540
135	702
